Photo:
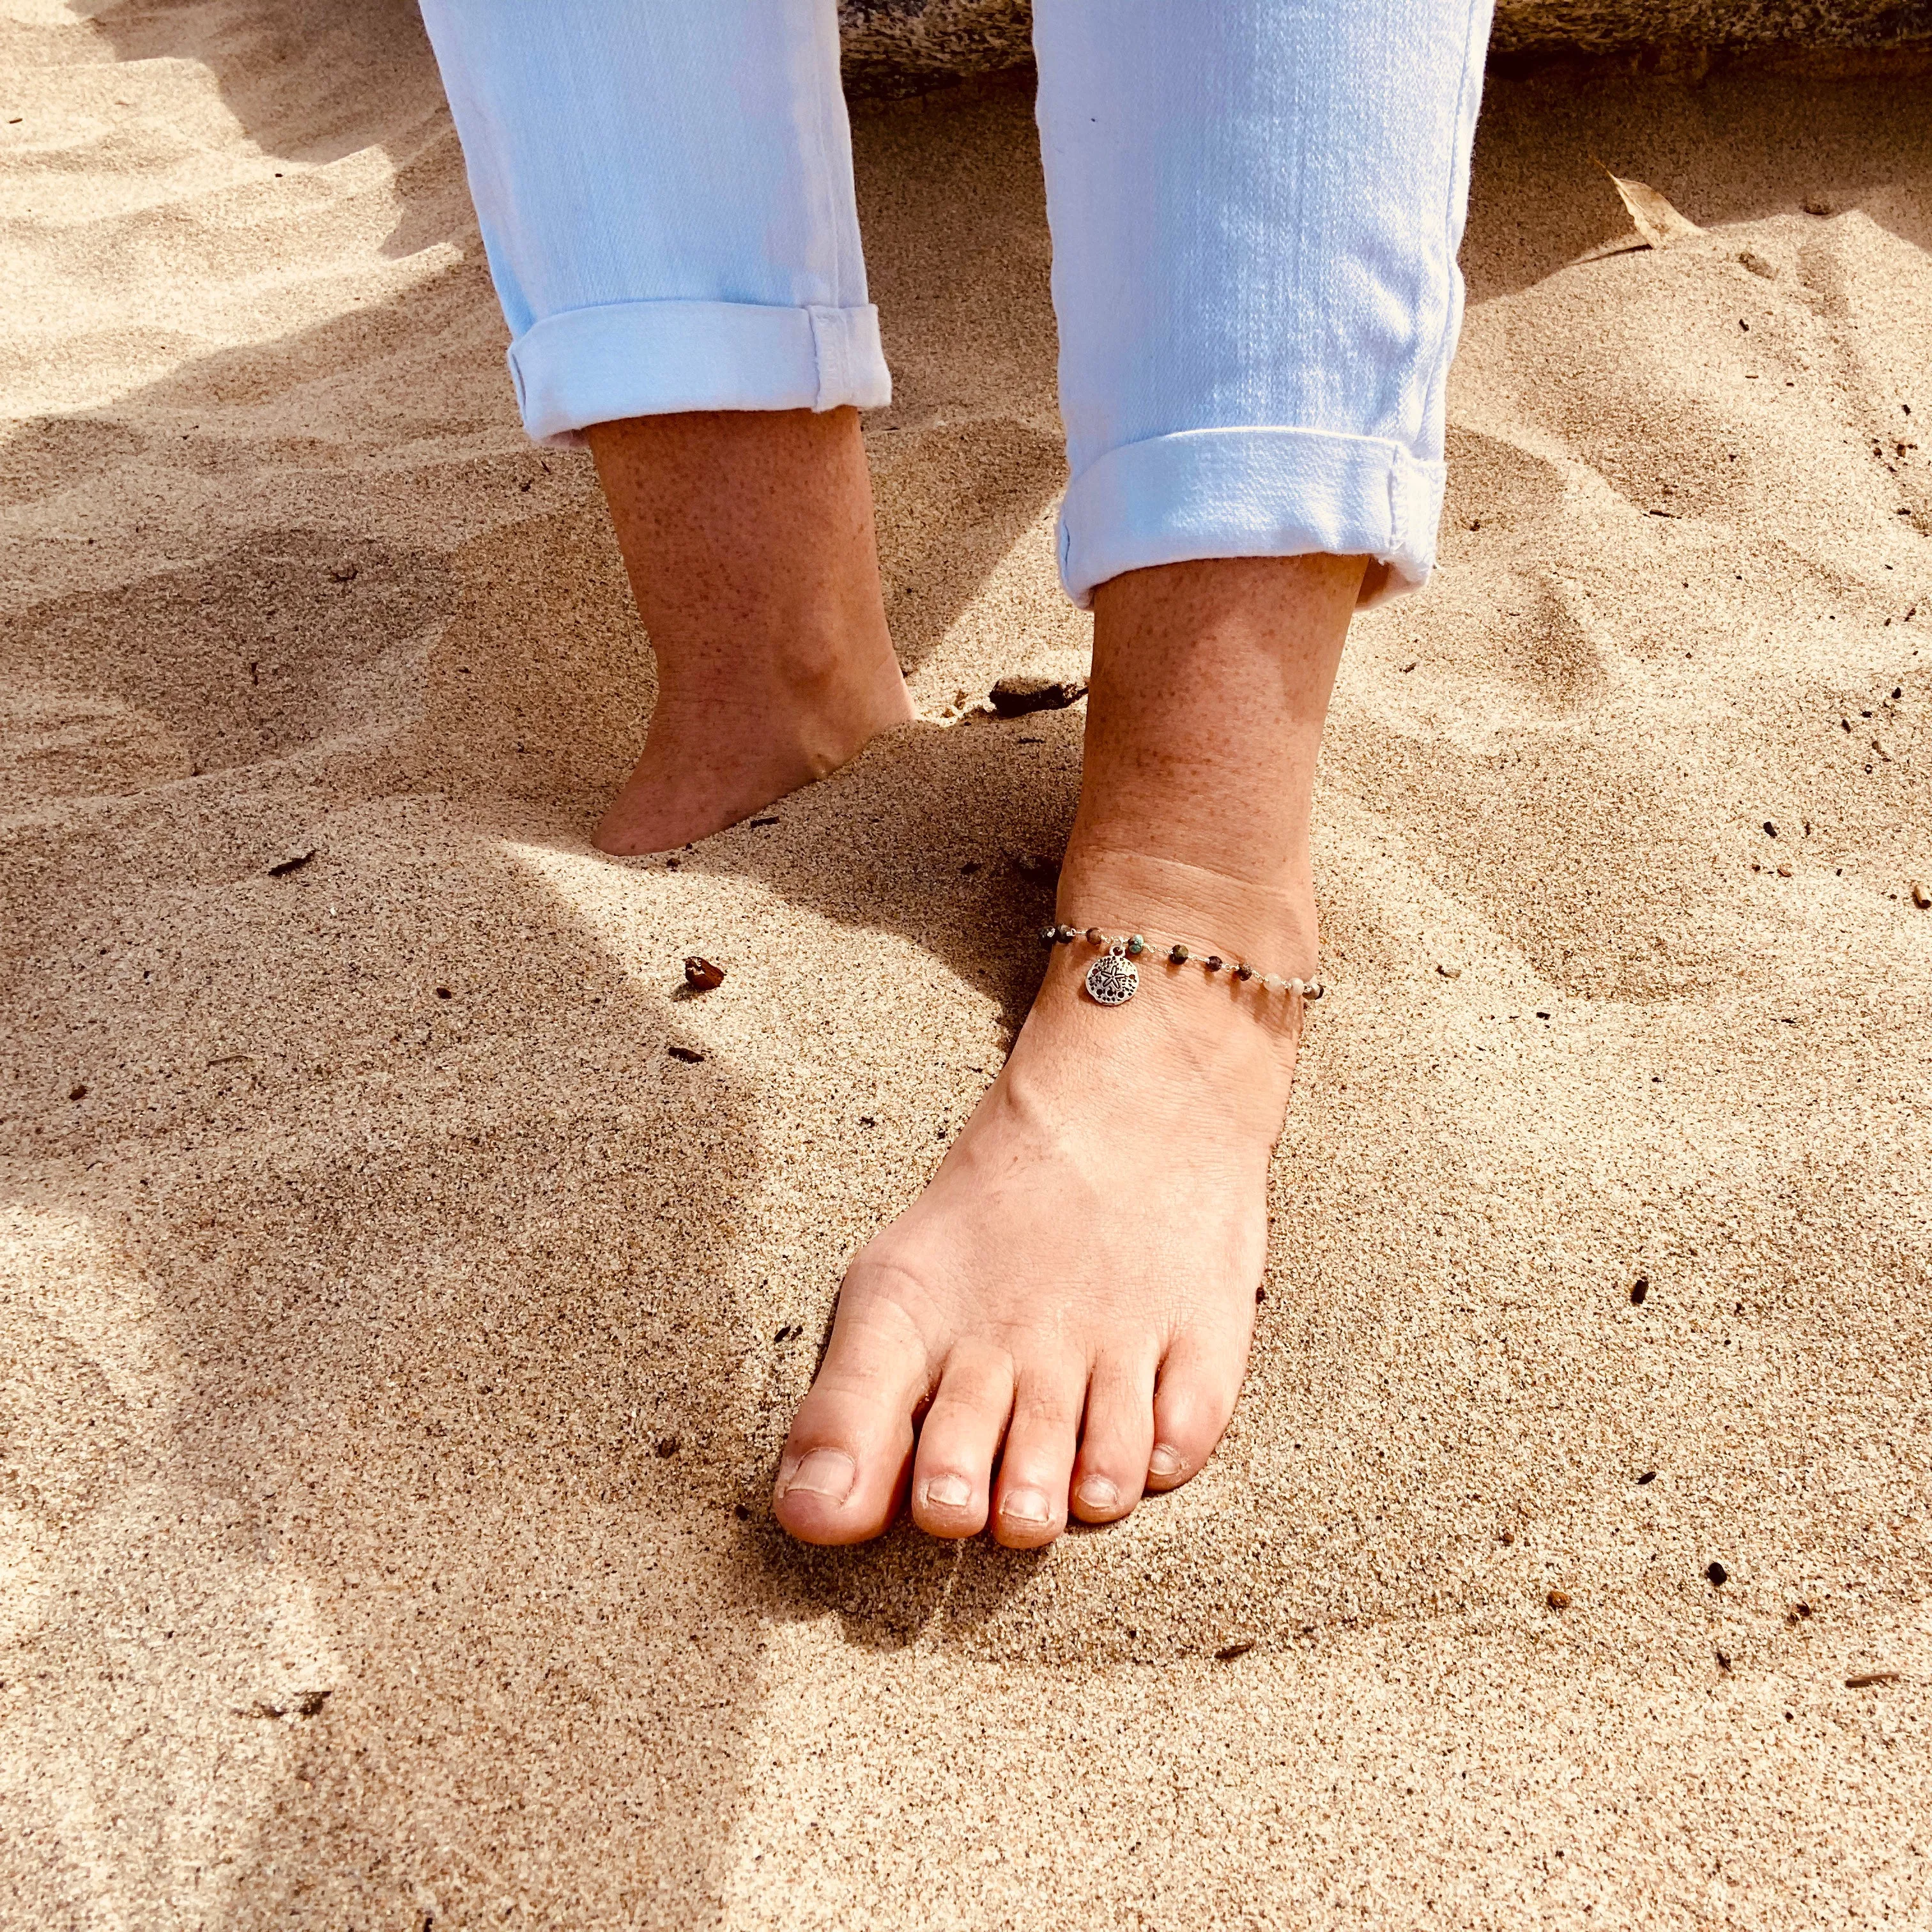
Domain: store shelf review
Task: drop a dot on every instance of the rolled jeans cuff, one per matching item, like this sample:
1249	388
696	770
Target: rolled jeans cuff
646	358
1268	492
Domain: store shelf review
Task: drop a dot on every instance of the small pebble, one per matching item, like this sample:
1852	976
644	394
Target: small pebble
1866	1679
1717	1574
1449	972
689	1055
1638	1289
1228	1652
1751	259
1015	697
1558	1600
1921	896
1816	204
703	975
78	1091
668	1446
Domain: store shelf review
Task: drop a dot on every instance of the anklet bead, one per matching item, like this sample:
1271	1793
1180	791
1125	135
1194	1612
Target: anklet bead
1213	962
1178	956
1046	935
1064	934
1136	946
1095	937
1244	971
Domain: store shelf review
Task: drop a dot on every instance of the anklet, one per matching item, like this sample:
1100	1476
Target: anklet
1113	979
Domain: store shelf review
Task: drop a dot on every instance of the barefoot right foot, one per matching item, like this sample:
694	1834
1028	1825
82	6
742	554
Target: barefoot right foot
1061	1320
748	537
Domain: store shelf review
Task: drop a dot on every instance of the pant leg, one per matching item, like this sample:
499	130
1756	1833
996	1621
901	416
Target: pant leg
665	192
1256	206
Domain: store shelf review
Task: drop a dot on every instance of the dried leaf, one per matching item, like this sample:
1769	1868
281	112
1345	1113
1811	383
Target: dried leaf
1656	220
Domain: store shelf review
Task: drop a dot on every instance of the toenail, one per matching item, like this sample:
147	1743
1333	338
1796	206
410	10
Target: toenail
1027	1506
1097	1492
948	1492
830	1473
1165	1462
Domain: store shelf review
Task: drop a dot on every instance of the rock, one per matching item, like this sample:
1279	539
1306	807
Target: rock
914	47
1558	1600
1718	1575
702	975
1920	897
1015	697
1751	259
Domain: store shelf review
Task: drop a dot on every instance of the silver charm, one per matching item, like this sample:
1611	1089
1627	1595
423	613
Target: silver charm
1110	980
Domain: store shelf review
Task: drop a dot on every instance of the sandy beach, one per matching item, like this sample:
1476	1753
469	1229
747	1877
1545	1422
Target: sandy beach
397	1335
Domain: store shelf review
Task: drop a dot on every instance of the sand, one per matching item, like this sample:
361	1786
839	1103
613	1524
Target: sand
395	1339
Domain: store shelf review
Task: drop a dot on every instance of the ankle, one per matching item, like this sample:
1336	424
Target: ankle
1268	921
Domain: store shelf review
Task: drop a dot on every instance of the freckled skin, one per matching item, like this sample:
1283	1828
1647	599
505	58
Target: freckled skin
1061	1322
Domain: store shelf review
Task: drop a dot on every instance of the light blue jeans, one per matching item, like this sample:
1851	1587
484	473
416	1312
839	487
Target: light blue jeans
1255	206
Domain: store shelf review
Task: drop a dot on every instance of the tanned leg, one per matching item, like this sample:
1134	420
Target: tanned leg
748	534
1069	1304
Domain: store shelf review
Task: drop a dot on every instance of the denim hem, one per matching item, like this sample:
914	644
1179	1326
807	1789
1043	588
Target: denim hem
591	365
1251	492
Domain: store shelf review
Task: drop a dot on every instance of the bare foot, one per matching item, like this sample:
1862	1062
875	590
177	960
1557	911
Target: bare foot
1071	1299
1078	1281
749	538
717	753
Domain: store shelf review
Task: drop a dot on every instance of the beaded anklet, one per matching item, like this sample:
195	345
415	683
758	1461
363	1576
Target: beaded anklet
1113	979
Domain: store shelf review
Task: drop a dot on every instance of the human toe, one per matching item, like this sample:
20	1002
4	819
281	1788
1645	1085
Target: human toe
951	1477
843	1466
1115	1443
1035	1471
1193	1399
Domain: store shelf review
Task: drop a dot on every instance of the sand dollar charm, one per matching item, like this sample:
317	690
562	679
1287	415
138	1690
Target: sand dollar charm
1111	980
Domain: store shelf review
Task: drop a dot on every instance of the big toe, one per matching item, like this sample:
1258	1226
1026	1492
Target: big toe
845	1464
